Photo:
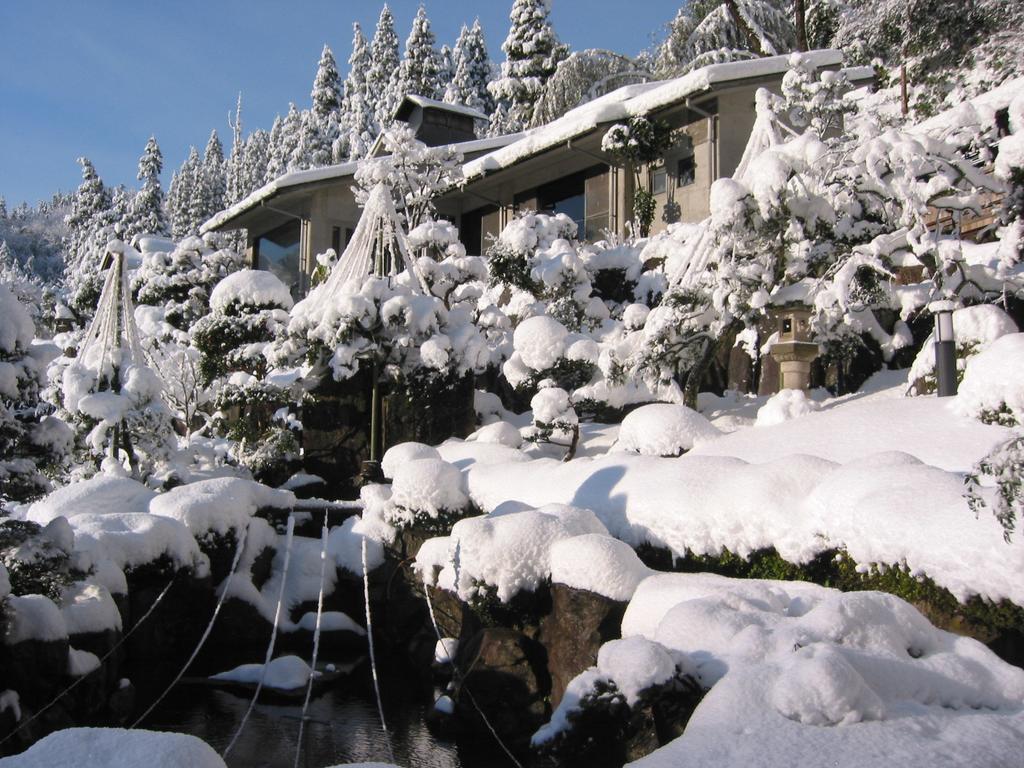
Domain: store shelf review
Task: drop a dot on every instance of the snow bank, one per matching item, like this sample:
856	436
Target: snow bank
807	675
218	505
597	563
284	674
498	433
252	287
663	429
116	748
993	381
99	495
784	405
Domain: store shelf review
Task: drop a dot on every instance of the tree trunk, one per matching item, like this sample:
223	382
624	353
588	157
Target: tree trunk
696	374
744	28
801	25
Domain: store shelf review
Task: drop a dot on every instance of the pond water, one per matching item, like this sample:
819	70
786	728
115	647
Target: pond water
343	726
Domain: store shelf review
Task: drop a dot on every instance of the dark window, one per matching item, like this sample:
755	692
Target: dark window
278	252
686	171
658	179
336	240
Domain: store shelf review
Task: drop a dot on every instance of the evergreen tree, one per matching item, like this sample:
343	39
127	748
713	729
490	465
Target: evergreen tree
312	149
291	135
382	75
257	155
186	196
708	31
277	160
420	67
357	108
532	53
214	177
90	225
121	204
148	215
473	71
326	94
446	69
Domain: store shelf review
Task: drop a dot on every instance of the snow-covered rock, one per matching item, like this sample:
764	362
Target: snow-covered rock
98	495
116	748
218	505
284	673
599	564
33	617
398	455
429	486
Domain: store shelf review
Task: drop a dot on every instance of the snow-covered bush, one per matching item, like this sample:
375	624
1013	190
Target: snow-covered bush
663	429
33	444
635	144
428	494
36	558
249	310
554	419
180	281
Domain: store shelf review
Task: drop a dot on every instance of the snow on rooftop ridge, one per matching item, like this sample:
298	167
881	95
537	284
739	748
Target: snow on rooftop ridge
634	100
424	102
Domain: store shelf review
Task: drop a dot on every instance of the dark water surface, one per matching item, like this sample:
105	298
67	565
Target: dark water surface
343	726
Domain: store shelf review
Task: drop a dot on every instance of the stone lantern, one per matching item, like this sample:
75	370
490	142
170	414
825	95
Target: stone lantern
794	351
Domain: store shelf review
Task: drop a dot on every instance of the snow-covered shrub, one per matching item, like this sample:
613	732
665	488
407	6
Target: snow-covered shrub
398	455
33	444
181	281
554	419
635	144
663	429
428	494
36	557
992	388
784	405
249	310
974	330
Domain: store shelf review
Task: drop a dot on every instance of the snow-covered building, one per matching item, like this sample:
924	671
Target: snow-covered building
558	167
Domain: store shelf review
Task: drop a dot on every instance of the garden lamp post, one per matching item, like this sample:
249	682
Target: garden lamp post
945	347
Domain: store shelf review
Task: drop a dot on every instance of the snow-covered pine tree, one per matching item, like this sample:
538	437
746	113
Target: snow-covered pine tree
356	111
291	135
277	160
121	201
420	67
472	71
148	215
214	177
90	225
382	75
326	97
532	53
312	150
707	31
446	69
33	445
184	185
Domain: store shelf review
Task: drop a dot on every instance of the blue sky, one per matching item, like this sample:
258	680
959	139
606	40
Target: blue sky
96	78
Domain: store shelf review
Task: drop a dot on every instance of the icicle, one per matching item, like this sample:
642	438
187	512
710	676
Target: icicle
316	638
289	536
373	658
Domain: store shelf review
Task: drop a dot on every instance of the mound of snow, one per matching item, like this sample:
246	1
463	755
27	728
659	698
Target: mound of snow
218	505
663	429
89	608
597	563
430	486
285	673
98	495
540	341
784	405
33	617
132	539
994	380
251	287
330	621
498	433
116	748
804	672
401	454
509	552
